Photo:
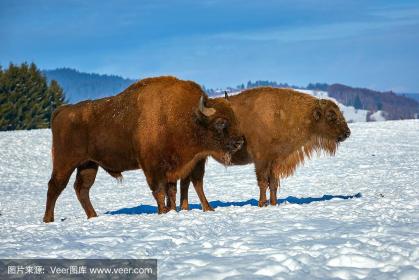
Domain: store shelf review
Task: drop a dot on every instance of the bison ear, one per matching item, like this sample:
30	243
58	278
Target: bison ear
317	114
206	111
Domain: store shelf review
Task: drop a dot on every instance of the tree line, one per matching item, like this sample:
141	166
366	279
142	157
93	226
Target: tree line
80	86
27	100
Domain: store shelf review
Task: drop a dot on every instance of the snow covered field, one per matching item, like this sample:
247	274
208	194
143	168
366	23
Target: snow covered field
308	236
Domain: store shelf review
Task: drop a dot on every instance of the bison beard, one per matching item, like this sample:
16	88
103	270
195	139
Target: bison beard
226	160
287	167
163	125
282	129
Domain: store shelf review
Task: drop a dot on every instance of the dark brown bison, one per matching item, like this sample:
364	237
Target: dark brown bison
282	128
162	125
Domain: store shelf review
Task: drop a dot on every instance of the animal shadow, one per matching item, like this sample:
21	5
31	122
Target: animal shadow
149	209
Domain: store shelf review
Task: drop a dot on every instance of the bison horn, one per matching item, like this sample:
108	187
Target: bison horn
226	94
205	110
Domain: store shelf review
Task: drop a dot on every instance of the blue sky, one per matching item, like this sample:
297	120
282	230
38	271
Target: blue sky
219	43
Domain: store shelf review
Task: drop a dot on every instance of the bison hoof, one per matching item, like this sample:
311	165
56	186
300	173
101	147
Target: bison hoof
48	219
273	203
262	203
163	210
209	208
184	207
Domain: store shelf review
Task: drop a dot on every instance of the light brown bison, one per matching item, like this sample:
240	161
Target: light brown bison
281	127
162	125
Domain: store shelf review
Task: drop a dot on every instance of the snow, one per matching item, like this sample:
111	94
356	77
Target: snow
378	116
352	216
353	115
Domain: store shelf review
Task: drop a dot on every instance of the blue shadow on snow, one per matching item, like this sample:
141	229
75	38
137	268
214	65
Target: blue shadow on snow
149	209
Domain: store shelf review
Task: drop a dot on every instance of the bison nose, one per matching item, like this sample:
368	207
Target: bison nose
348	133
344	136
235	144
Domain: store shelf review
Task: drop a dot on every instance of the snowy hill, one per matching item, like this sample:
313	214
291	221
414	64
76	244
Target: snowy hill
355	215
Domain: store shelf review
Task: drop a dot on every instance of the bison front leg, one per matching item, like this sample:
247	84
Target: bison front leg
273	188
198	185
263	184
171	196
197	178
159	193
158	186
184	189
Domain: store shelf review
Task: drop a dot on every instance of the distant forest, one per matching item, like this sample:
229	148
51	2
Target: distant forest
80	86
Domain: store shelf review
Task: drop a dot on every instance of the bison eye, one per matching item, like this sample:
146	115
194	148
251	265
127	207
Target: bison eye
331	116
220	124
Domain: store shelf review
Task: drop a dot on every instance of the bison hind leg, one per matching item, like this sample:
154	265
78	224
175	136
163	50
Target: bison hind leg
57	183
86	175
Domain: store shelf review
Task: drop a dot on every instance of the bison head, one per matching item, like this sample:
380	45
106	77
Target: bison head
329	122
221	126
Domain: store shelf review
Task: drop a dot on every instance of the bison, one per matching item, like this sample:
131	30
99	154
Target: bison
282	128
162	125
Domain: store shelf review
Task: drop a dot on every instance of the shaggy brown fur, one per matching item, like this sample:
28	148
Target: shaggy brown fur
162	125
282	128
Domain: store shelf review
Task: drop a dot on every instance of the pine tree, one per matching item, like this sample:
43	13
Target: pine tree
55	97
26	99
